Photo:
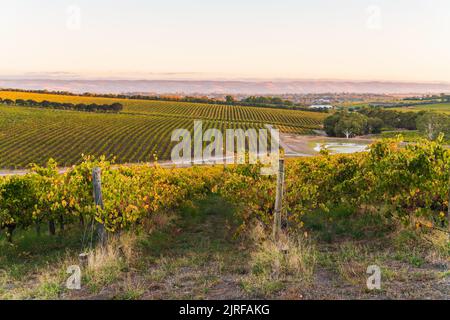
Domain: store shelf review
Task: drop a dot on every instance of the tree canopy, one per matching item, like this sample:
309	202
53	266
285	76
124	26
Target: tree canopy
348	124
432	124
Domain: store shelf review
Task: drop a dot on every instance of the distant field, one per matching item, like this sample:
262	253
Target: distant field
134	135
438	107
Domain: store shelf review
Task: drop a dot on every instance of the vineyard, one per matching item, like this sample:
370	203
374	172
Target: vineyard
183	222
340	213
139	133
410	182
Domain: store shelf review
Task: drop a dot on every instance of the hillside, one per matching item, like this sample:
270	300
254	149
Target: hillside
139	132
254	87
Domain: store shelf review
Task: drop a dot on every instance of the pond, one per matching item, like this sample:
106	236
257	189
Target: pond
342	147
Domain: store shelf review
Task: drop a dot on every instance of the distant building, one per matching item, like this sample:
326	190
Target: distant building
321	106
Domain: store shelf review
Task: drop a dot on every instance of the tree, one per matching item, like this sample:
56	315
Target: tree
345	124
374	125
229	99
116	107
391	118
330	123
432	124
348	126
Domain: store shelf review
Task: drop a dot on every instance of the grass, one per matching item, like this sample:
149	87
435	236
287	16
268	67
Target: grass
194	253
23	261
274	266
40	249
195	250
348	241
345	222
437	107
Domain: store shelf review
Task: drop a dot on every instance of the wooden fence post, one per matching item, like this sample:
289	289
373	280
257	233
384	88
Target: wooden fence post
448	212
97	182
278	201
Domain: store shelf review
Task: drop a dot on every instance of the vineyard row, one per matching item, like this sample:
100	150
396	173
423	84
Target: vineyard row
405	183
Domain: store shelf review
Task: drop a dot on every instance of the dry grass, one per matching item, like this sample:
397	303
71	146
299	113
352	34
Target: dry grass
291	260
193	256
106	264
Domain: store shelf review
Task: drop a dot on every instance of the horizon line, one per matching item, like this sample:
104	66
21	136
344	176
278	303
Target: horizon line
212	79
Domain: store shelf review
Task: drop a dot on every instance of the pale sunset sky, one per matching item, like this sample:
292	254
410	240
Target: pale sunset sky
404	40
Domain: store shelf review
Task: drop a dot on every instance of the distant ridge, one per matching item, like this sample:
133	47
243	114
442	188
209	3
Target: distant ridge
225	86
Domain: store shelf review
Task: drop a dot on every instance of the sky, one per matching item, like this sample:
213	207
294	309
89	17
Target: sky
396	40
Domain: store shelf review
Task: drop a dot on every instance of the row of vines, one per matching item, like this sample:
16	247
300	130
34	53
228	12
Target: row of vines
410	181
189	110
30	135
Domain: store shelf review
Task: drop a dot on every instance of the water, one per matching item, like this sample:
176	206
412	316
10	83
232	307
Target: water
342	147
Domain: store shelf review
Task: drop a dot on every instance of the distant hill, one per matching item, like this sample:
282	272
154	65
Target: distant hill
225	86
